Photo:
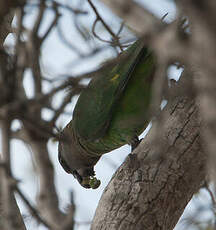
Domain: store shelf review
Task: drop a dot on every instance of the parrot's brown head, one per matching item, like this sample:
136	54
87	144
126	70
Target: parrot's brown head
75	160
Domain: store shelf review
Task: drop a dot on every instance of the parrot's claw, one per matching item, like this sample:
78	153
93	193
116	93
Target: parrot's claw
135	142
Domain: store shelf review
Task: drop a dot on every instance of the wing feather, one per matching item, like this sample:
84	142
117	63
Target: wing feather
93	111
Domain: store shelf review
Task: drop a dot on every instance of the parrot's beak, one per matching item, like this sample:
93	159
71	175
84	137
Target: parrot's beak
86	178
83	181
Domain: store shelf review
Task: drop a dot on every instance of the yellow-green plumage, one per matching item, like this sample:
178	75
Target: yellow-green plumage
113	110
120	103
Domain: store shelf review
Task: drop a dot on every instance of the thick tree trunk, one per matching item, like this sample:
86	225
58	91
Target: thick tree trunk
151	189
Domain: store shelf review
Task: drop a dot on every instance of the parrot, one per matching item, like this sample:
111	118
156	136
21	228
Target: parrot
110	112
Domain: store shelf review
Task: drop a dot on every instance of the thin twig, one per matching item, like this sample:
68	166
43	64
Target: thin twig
211	195
115	38
39	18
164	16
101	19
120	29
54	22
67	43
94	33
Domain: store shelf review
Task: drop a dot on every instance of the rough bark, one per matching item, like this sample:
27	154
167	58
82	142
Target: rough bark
153	186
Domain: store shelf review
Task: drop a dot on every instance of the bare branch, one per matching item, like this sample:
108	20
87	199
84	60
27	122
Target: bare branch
39	18
53	24
211	195
69	44
115	38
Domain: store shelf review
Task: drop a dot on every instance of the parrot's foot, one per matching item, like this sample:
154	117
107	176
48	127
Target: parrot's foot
135	142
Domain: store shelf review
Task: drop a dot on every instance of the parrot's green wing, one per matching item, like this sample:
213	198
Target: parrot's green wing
93	111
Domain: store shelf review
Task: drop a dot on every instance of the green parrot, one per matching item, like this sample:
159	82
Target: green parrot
111	112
